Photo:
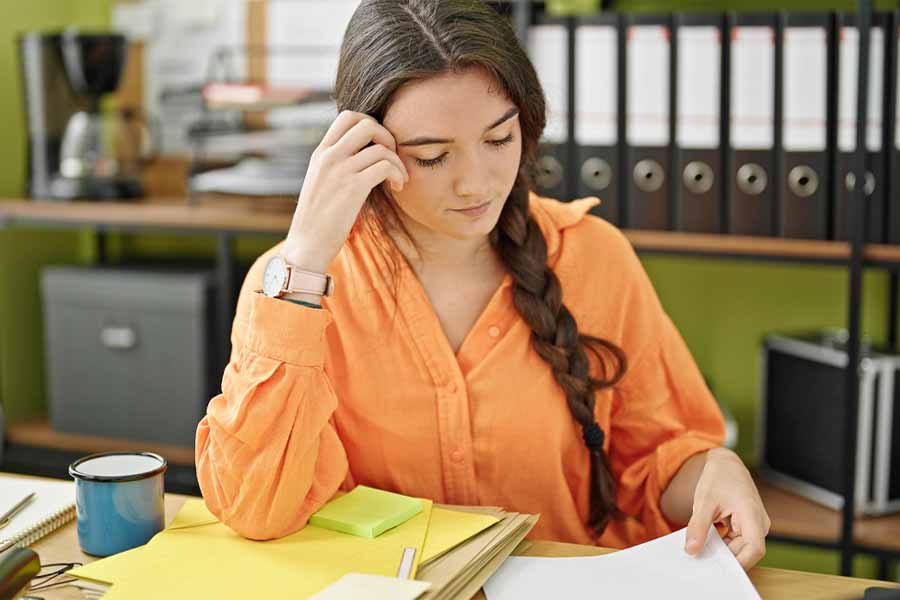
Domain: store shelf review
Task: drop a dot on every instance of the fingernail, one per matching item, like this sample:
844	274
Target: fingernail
691	546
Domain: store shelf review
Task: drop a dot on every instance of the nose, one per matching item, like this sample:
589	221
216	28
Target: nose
472	176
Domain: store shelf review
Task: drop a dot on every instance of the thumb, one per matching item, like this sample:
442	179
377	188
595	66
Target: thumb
698	528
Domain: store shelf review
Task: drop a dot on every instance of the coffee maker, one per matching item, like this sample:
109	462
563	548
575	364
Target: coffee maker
76	149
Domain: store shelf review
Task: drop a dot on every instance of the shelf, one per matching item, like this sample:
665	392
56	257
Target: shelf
39	434
798	518
176	214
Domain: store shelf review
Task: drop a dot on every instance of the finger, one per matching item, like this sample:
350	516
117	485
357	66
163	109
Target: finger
367	157
340	126
751	553
736	545
381	171
359	136
698	527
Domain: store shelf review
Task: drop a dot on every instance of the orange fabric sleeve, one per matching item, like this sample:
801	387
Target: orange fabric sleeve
662	412
267	453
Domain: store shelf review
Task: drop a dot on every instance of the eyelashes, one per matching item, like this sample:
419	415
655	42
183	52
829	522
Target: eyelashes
436	162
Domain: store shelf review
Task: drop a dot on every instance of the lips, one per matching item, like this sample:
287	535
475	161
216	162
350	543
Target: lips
474	206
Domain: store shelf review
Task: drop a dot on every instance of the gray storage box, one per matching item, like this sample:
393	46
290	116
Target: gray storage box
127	351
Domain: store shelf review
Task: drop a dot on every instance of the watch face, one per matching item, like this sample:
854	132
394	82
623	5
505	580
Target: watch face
274	276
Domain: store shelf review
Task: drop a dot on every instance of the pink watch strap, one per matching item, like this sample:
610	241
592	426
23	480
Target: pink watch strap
307	282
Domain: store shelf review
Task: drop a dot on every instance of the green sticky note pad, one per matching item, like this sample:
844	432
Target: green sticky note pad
366	512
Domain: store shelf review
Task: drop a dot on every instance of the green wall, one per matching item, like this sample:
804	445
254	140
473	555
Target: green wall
22	253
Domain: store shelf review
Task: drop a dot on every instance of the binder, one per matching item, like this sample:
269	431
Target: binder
597	112
548	49
649	122
892	129
697	44
805	82
751	210
845	179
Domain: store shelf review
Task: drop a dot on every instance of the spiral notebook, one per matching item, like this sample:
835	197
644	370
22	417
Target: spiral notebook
52	507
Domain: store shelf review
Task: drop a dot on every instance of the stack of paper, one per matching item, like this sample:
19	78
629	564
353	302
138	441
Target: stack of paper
462	571
457	549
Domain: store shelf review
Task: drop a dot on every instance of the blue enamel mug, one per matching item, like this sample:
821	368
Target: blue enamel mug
119	500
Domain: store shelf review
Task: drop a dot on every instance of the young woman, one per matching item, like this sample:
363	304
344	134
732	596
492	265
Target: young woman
478	344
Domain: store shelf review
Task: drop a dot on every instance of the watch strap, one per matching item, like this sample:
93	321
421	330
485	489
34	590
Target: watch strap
307	282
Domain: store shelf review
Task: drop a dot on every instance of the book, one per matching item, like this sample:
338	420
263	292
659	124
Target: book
52	507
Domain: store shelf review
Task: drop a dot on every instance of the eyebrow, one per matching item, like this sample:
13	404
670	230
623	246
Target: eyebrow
424	141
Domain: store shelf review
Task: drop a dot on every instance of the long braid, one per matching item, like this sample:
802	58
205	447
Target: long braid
537	295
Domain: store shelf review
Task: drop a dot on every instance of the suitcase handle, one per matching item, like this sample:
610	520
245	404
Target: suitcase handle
118	337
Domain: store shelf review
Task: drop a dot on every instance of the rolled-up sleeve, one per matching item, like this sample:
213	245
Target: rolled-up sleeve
663	413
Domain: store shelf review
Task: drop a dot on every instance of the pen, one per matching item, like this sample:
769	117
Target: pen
8	515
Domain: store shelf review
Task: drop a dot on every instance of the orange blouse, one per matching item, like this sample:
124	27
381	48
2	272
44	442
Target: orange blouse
367	390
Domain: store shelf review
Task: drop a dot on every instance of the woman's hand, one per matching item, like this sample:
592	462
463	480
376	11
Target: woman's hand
726	494
356	154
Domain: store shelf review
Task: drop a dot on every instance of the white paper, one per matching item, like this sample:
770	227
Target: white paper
752	88
547	49
648	85
372	587
596	85
847	89
699	54
657	569
805	57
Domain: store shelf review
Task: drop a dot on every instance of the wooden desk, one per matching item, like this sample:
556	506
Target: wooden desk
772	584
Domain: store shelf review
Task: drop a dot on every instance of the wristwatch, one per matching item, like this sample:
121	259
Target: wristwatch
280	278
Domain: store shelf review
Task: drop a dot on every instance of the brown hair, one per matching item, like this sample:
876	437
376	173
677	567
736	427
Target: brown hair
389	43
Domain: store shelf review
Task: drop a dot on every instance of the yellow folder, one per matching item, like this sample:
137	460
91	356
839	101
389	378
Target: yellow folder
209	560
196	556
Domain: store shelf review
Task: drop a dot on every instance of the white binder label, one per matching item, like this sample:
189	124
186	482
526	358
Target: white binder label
752	88
803	82
699	54
648	85
596	85
847	86
547	48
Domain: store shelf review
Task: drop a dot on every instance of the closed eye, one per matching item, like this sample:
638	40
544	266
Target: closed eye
438	160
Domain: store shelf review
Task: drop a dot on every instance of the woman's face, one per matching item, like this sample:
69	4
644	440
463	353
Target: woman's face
459	137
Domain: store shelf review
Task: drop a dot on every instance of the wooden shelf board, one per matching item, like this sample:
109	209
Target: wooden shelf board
796	517
736	245
41	434
158	213
251	216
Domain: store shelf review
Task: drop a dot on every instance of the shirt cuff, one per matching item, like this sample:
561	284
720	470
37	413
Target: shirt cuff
286	332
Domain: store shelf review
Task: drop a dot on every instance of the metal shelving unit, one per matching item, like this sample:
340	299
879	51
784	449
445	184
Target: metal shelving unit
855	255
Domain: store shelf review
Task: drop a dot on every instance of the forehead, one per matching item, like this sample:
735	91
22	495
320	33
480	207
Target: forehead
447	104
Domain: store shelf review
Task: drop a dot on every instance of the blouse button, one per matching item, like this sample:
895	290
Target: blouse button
452	387
457	455
494	331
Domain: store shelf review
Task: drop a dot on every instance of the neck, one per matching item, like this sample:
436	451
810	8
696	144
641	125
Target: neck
432	251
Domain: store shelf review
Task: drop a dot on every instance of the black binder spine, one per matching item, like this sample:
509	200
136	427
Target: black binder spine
750	171
596	169
804	183
696	166
648	178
